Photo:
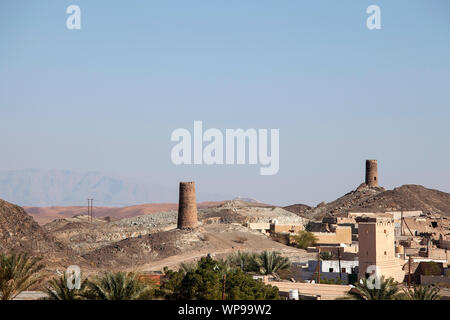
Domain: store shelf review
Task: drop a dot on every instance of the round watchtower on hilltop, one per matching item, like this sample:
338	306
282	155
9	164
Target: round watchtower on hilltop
372	173
187	206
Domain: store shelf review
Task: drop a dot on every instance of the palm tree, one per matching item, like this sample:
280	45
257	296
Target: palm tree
186	267
18	272
388	290
58	289
422	293
305	239
270	262
326	255
245	261
118	286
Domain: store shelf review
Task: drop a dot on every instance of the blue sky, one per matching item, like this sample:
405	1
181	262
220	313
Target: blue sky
107	97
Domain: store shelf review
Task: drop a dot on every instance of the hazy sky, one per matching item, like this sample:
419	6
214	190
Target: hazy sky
107	97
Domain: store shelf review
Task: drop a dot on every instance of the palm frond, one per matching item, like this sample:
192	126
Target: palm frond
18	272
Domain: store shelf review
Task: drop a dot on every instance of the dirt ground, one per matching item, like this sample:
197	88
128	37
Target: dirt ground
153	252
222	240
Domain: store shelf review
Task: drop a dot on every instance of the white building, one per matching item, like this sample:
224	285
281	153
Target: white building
331	269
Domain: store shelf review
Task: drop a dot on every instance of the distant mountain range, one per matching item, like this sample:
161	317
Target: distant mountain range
34	187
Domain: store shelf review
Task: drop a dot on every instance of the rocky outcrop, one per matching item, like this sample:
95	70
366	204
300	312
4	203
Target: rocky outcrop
377	199
19	233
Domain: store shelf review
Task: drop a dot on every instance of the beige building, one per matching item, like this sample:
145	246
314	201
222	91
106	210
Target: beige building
292	228
398	216
377	248
260	226
342	234
313	290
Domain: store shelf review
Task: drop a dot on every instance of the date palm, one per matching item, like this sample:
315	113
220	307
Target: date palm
18	272
388	289
118	286
270	262
58	290
422	293
245	261
186	267
326	255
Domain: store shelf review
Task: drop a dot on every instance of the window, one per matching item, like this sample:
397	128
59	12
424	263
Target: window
343	270
375	178
385	253
330	270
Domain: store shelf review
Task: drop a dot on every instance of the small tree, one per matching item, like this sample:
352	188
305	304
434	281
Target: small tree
422	293
118	286
170	288
58	289
305	239
18	272
206	282
388	289
245	261
203	283
270	262
186	267
326	255
240	286
309	226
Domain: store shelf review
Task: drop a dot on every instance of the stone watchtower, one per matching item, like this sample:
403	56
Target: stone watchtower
377	248
187	206
372	173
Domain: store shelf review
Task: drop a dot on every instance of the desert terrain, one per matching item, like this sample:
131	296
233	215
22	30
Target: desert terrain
146	238
44	215
140	238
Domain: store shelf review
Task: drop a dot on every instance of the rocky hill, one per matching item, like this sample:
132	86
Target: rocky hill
151	240
170	248
377	199
298	208
19	233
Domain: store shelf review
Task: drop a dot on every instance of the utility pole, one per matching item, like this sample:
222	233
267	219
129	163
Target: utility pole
409	272
401	224
318	265
339	259
90	209
224	284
